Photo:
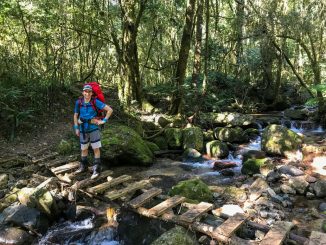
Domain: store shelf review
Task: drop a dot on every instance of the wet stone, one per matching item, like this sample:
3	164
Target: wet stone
290	170
322	206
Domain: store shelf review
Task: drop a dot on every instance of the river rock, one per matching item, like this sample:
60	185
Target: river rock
322	207
217	149
173	137
43	201
232	119
176	236
290	170
122	144
231	135
219	165
162	121
14	236
191	153
296	114
320	188
193	189
253	154
299	184
276	140
252	166
287	189
257	188
3	180
230	210
23	216
193	138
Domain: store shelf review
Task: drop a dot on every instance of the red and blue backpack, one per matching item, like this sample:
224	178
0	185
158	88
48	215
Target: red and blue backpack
97	94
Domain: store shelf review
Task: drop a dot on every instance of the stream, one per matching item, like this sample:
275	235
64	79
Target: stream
133	229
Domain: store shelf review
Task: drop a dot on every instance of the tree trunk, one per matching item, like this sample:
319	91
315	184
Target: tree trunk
177	99
198	44
130	77
205	81
239	23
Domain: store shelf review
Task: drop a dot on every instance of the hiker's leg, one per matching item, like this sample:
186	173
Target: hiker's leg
84	143
95	138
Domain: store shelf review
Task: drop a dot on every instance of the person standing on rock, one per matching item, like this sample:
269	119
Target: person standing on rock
86	127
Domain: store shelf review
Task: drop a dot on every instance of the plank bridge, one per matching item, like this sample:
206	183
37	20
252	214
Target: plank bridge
174	209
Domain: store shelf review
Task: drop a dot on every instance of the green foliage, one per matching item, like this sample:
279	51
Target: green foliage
12	113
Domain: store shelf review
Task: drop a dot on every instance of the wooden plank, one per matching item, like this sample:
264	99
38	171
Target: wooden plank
106	185
86	182
277	233
192	214
143	198
165	205
51	155
65	168
317	238
226	230
112	195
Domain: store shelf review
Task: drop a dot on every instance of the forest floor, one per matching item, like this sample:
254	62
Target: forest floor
45	134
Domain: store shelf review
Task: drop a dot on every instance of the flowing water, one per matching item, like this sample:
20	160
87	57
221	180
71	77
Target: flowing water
133	229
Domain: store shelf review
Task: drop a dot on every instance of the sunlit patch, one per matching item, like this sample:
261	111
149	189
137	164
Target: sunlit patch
319	165
294	156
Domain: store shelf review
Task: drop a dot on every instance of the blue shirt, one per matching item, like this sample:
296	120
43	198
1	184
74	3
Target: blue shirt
87	112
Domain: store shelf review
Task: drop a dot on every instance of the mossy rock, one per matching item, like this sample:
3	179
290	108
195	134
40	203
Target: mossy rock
193	138
251	132
232	193
176	236
123	145
252	166
152	146
195	190
277	139
65	147
161	142
217	149
173	137
232	135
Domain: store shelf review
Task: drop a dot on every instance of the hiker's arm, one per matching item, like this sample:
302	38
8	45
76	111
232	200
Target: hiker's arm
76	127
108	114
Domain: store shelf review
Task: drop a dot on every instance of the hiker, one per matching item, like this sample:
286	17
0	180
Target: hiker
86	126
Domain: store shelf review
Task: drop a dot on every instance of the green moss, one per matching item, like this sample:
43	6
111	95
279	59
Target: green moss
252	166
152	146
173	137
193	138
123	145
161	142
176	236
276	140
194	190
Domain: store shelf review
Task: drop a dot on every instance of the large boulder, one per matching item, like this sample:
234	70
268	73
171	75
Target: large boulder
277	140
14	235
232	119
176	236
193	138
231	135
194	190
3	180
296	114
217	149
123	145
173	137
39	199
253	166
23	216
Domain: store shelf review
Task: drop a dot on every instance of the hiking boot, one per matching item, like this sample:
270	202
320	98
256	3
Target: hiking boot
82	168
96	171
